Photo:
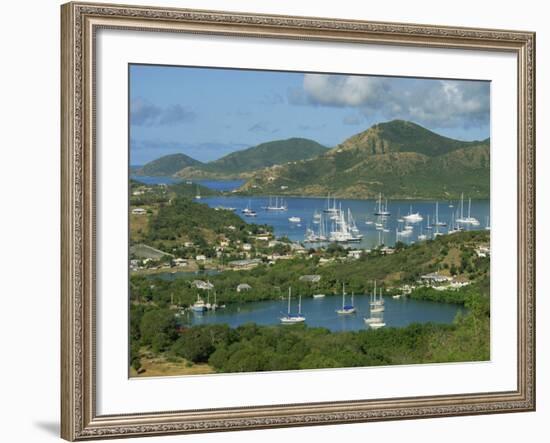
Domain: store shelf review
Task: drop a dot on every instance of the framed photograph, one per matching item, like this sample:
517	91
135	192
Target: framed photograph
284	221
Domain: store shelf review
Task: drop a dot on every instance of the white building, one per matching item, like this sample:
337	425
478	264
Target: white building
355	253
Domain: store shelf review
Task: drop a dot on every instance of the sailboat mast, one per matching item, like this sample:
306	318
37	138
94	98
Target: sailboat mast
343	295
300	304
289	301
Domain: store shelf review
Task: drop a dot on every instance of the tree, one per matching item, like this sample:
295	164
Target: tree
157	321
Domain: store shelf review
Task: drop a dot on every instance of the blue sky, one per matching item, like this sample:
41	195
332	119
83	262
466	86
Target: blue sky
207	113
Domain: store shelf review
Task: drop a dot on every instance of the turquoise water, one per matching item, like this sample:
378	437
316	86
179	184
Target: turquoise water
322	313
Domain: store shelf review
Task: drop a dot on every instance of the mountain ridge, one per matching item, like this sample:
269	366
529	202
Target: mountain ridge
398	159
240	164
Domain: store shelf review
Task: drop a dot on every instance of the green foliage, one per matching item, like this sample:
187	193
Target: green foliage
155	322
399	159
269	282
186	220
168	165
267	154
251	347
198	343
243	161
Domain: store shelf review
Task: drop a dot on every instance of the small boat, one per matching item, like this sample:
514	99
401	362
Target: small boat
346	309
248	211
377	305
294	219
413	217
198	194
199	305
318	295
293	318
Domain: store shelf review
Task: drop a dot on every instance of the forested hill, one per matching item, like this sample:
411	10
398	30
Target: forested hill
168	165
400	159
237	163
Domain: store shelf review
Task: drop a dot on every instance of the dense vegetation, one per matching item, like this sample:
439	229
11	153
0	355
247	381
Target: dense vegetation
184	220
268	154
399	159
452	254
265	348
232	165
168	165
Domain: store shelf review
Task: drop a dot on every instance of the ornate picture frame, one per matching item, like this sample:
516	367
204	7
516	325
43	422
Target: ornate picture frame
80	23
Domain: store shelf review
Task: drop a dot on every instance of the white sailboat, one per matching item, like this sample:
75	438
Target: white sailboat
437	221
376	319
276	205
382	210
248	211
466	220
330	209
343	231
316	237
199	305
293	318
378	304
413	217
198	193
346	309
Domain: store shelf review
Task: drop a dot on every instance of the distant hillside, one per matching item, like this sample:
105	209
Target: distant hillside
242	163
168	165
268	154
399	159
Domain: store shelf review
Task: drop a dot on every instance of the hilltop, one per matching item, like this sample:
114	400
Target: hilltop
237	164
168	165
399	159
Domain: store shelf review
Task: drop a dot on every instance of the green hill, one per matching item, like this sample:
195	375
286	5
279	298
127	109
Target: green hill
243	163
399	159
268	154
237	164
168	165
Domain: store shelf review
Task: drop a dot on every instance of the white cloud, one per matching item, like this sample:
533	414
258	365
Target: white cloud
436	103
